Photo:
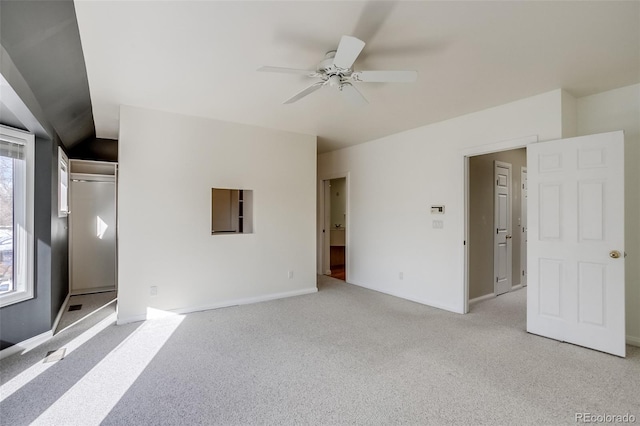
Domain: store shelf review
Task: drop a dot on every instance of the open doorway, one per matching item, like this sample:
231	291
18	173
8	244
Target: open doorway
335	228
496	224
92	227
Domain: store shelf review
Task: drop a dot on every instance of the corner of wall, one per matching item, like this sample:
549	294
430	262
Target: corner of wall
569	114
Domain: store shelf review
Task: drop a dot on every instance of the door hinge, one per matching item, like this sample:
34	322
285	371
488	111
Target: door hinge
497	230
496	279
464	243
523	273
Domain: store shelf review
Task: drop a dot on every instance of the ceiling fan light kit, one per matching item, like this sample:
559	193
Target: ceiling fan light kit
336	70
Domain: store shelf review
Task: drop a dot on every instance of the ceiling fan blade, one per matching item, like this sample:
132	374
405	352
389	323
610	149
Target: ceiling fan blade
309	73
305	92
385	76
348	51
372	18
352	94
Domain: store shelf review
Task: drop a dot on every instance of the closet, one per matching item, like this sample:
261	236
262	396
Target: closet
92	227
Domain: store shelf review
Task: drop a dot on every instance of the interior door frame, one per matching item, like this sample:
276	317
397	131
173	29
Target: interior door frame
466	154
95	176
524	227
324	236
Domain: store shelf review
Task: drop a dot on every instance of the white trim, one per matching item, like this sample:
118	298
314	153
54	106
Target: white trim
226	304
516	287
505	145
633	341
81	291
63	162
481	298
33	342
425	302
62	310
466	153
24	250
523	225
26	345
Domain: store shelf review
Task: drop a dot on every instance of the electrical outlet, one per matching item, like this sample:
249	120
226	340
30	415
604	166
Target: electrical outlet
290	274
153	290
401	275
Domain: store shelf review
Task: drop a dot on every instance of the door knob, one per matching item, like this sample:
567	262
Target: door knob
508	236
614	254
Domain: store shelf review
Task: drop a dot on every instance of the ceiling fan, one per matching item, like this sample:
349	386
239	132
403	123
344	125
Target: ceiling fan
336	70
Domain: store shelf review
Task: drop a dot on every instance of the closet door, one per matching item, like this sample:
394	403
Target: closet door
92	223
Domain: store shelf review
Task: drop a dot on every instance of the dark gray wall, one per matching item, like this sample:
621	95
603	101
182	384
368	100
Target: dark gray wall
39	37
27	319
43	40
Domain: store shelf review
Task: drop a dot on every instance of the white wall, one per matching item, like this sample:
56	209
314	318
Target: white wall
168	164
338	202
415	169
620	110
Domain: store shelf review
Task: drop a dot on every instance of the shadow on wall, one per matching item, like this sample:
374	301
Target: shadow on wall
95	149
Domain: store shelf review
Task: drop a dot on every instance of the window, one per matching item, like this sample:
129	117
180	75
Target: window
63	183
231	211
16	215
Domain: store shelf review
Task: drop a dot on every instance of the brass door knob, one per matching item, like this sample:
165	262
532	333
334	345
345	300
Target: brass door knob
614	254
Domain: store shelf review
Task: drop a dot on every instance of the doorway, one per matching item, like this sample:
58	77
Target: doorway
575	210
335	227
495	224
92	227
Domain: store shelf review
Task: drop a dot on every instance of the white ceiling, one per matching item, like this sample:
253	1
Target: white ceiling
200	58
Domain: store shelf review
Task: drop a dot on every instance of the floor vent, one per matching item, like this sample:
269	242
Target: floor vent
75	308
53	356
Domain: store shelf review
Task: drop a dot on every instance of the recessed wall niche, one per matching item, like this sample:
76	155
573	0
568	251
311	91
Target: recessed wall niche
231	211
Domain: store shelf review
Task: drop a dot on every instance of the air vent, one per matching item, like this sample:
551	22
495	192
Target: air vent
53	356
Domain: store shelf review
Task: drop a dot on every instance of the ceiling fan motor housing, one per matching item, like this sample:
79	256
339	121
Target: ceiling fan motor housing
330	73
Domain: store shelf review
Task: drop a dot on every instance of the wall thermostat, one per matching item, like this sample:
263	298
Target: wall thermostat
437	209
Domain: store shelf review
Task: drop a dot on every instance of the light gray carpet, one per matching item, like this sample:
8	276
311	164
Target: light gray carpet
90	304
345	355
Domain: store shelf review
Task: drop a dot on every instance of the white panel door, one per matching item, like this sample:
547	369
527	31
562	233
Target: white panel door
523	227
576	245
502	241
93	236
326	227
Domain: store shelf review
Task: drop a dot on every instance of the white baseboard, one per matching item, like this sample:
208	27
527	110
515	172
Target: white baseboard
430	303
81	291
225	304
481	298
62	310
516	287
129	320
633	341
26	345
